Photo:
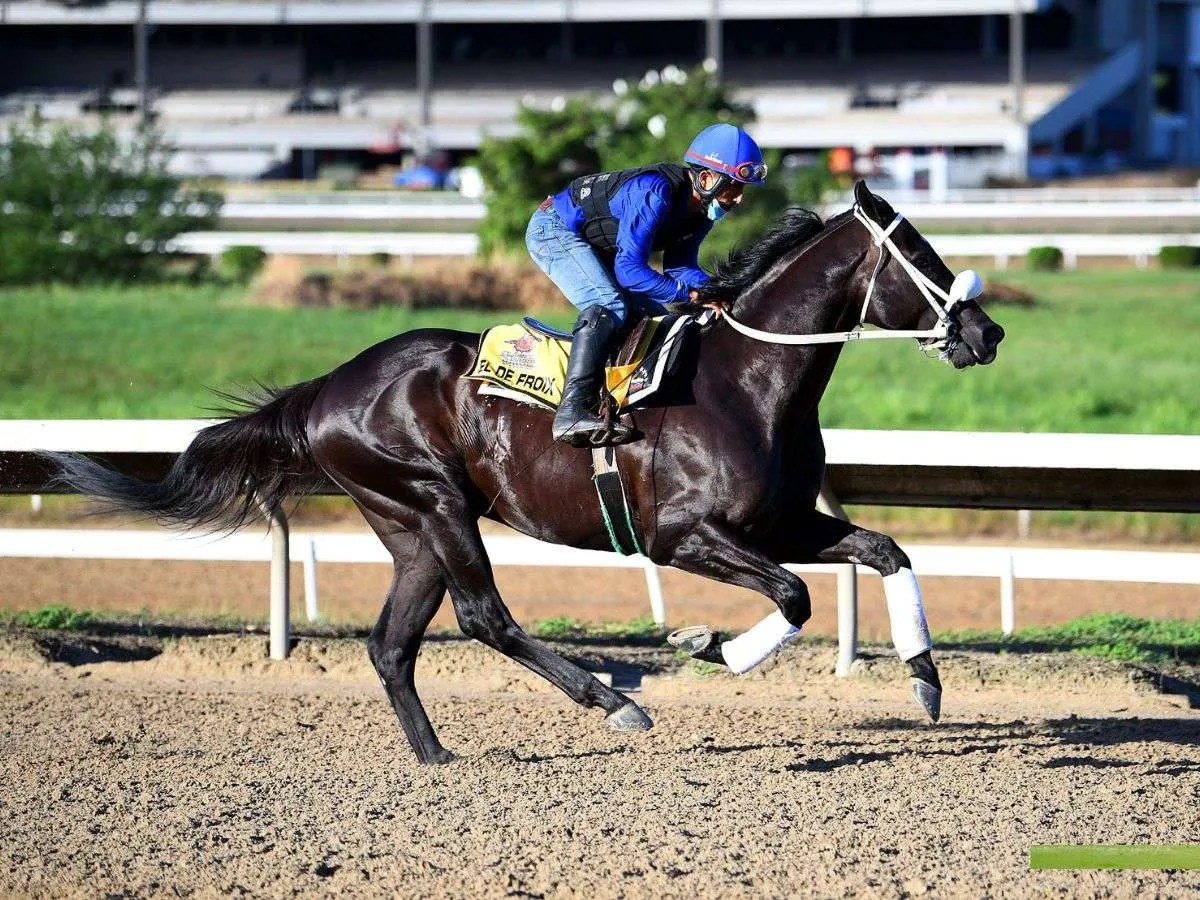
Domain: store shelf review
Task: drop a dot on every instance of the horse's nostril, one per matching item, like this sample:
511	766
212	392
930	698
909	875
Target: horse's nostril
993	335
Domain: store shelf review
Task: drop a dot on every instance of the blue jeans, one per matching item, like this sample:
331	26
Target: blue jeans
573	266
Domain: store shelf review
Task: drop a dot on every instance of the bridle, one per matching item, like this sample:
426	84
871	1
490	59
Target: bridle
967	286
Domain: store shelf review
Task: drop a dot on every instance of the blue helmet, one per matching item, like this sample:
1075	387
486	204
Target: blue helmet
728	151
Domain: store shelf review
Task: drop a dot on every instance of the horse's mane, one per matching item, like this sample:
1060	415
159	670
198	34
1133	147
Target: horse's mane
749	261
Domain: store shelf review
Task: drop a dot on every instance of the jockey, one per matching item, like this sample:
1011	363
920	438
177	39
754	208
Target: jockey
594	240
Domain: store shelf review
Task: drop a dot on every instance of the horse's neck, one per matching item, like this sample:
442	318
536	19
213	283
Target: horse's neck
807	293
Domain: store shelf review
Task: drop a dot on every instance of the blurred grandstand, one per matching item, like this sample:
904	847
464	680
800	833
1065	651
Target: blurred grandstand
930	93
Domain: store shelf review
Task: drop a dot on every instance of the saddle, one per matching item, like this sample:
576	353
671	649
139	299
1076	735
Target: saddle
527	361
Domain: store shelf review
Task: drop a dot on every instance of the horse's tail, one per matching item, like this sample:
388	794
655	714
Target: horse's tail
231	473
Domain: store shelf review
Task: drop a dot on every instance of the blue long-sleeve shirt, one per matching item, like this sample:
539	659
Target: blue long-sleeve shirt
641	206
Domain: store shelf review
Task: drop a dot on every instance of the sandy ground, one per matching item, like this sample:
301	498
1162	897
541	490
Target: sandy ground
208	770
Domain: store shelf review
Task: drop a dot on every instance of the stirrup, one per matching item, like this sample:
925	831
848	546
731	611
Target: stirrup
613	435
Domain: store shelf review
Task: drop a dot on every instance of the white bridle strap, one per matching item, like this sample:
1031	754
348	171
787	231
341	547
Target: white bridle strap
832	337
883	240
966	286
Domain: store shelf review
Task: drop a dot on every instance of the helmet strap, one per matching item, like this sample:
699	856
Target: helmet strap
719	185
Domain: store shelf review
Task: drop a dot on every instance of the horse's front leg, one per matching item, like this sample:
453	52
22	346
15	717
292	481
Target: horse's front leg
817	537
718	553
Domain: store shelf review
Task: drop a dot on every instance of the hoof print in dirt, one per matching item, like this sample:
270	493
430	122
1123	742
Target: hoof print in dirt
929	697
629	717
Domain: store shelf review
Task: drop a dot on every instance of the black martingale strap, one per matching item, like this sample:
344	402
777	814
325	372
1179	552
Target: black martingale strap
614	506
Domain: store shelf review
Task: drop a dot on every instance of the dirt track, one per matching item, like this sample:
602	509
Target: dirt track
209	770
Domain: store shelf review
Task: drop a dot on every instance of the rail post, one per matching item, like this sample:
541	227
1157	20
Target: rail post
280	625
1008	596
847	608
310	580
658	607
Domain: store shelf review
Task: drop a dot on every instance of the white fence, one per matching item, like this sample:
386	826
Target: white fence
1001	247
1007	564
965	205
325	206
331	243
917	466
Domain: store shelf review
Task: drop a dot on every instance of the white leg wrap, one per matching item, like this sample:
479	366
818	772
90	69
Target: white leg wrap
910	631
747	650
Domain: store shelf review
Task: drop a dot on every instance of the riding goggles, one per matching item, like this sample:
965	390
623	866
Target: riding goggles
750	171
746	172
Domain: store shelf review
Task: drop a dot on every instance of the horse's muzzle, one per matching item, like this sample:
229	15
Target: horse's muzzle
989	339
978	334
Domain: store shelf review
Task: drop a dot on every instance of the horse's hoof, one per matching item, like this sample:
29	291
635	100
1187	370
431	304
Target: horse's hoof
698	642
629	717
929	697
691	640
439	757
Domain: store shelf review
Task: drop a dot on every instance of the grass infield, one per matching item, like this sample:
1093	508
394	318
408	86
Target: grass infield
1101	351
1114	856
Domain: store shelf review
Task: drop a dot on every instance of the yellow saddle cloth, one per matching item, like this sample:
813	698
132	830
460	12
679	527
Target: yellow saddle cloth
521	362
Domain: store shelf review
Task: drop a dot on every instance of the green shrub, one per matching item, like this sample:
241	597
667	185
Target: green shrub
1179	256
55	616
242	262
381	259
88	206
1044	259
556	627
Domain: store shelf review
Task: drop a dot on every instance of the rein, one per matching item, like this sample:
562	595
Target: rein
967	286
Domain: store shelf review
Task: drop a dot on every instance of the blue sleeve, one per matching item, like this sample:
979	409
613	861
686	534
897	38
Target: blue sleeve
683	262
647	203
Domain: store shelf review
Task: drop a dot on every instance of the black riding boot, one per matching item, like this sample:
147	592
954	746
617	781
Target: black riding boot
577	421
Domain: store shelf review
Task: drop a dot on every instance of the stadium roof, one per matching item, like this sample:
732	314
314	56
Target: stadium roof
300	12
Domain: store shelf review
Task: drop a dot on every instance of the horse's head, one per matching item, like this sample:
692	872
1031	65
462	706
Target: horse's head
906	286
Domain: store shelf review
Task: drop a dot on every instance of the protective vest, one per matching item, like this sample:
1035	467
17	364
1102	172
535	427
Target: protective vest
591	194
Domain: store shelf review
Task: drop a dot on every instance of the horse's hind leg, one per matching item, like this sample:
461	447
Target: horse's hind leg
415	595
822	538
482	615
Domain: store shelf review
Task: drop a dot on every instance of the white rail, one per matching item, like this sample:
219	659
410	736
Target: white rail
1000	247
1007	564
918	455
1011	449
307	207
331	243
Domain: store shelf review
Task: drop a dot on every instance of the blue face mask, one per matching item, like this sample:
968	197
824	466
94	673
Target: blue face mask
715	211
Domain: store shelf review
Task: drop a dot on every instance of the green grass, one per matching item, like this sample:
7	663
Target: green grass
1114	636
151	352
1101	351
565	626
53	616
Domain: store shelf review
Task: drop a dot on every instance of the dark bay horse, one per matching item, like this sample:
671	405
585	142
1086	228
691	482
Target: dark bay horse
724	486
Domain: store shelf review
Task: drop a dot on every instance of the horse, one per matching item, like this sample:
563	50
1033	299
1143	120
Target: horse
724	486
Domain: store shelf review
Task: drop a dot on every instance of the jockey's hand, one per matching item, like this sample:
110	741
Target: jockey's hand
720	307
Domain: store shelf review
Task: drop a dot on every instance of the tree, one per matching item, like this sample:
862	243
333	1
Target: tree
86	206
650	121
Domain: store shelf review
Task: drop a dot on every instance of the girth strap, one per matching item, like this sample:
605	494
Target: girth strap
614	506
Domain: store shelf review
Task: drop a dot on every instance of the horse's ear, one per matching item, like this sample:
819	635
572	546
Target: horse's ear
864	198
